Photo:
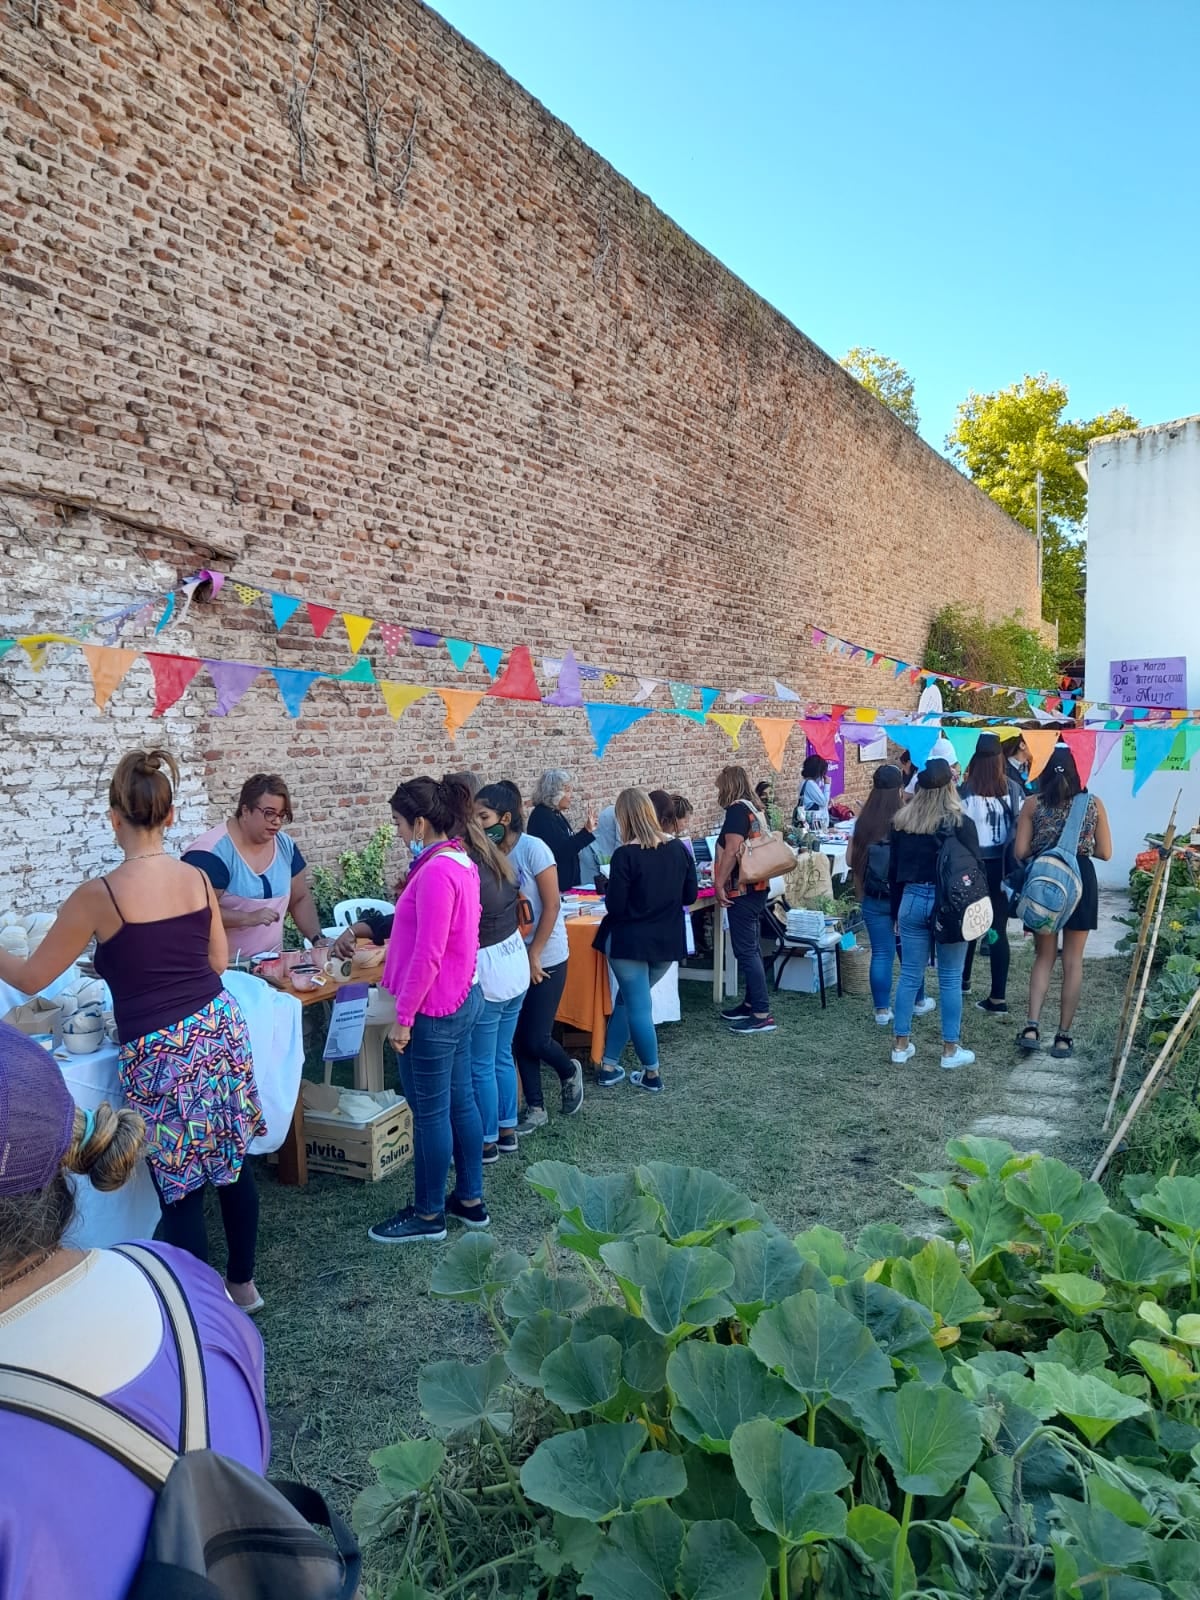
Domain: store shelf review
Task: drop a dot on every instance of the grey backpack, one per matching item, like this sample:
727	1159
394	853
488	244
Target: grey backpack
219	1531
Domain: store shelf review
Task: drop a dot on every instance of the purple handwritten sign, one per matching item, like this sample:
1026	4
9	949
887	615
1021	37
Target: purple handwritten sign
1159	684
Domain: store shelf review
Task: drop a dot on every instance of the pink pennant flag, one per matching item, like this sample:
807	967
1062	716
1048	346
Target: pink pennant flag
1105	740
818	638
1082	744
823	737
393	636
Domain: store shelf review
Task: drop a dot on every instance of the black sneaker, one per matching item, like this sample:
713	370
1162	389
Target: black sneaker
998	1008
475	1217
491	1153
507	1144
572	1090
753	1024
734	1013
406	1227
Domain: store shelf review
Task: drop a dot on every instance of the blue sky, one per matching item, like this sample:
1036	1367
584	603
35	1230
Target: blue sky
976	188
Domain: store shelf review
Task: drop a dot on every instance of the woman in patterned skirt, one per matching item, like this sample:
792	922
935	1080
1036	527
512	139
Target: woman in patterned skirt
185	1049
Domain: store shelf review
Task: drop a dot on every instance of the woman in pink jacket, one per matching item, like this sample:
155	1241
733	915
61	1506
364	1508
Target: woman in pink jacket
430	969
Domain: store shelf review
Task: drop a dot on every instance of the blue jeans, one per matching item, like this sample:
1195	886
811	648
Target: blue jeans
916	937
632	1014
493	1070
435	1075
881	931
745	935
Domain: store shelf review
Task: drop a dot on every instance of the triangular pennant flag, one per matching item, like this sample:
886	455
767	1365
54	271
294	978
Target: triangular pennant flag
426	640
320	617
708	699
361	672
393	636
551	666
460	651
964	741
681	695
589	674
357	629
399	696
611	680
730	726
231	679
818	638
459	704
293	686
491	655
1082	744
646	687
775	733
6	645
782	692
34	646
168	612
917	740
1152	746
822	735
864	714
247	593
108	666
172	674
217	579
568	692
1040	743
696	716
517	681
1106	740
607	721
283	609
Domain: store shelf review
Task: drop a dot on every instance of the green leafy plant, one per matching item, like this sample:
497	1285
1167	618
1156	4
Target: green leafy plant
705	1407
965	644
359	874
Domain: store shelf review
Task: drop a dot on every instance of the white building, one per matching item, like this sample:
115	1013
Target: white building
1143	603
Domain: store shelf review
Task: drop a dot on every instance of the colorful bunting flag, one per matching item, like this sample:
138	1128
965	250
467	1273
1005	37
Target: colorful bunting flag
320	617
822	735
687	711
551	666
460	651
1106	740
108	666
730	725
1040	743
357	629
34	646
611	680
708	699
361	672
293	686
425	639
775	733
247	593
231	679
283	609
607	721
216	579
589	674
918	740
681	695
393	637
1153	745
518	680
646	687
399	696
459	704
168	612
5	646
964	741
568	692
782	692
172	674
491	655
1082	744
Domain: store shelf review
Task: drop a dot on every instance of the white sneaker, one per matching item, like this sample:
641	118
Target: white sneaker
924	1007
960	1058
882	1018
899	1057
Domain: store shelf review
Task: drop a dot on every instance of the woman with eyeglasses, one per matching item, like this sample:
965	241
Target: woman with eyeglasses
257	870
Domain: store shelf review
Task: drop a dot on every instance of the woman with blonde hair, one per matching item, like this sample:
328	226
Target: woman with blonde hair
651	879
919	828
743	903
185	1060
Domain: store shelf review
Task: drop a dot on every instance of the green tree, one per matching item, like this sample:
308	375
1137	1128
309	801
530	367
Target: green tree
1003	441
964	644
886	380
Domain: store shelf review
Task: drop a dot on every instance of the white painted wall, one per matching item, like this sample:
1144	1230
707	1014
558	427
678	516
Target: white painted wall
1143	600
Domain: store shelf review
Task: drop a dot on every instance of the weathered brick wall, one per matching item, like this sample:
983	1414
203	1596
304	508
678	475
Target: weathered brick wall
512	402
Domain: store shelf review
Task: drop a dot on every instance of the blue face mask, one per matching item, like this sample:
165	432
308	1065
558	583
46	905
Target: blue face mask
415	848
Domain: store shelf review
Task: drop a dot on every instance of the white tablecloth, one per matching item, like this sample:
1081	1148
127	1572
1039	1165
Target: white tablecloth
664	997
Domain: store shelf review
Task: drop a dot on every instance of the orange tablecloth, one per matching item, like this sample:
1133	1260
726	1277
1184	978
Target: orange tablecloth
587	999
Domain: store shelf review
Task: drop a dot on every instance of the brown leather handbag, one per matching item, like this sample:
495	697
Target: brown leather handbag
764	855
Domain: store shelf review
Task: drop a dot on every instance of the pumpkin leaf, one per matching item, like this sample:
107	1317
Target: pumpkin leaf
793	1486
820	1348
675	1287
408	1468
719	1563
583	1375
475	1269
929	1434
718	1386
535	1290
595	1209
1094	1406
935	1279
1167	1370
767	1268
455	1396
877	1535
597	1472
695	1204
830	1252
1130	1255
986	1158
533	1340
1080	1295
637	1559
987	1220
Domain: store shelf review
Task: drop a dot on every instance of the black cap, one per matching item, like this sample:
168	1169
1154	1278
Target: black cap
887	777
988	745
935	774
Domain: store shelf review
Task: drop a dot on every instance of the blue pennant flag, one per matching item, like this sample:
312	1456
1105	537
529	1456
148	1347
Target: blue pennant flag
293	686
283	607
491	655
1152	746
608	721
460	651
708	699
915	738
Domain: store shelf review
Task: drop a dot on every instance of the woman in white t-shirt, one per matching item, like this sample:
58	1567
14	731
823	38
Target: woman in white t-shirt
498	808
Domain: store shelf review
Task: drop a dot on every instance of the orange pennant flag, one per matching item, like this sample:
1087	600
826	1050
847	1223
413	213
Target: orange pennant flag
357	629
399	696
108	666
1040	743
459	704
775	732
729	725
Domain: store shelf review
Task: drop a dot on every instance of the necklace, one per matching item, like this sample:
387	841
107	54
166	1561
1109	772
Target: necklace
38	1261
146	855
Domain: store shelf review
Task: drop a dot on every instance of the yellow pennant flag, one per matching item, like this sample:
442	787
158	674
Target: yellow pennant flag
247	593
459	704
775	733
108	666
863	714
730	725
399	696
357	629
34	646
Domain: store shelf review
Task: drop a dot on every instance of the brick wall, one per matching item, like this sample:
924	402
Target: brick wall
491	390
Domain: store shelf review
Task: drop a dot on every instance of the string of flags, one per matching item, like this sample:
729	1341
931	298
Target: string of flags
1146	748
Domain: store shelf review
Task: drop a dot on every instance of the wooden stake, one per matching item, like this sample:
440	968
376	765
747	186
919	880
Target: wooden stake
1161	870
1161	1063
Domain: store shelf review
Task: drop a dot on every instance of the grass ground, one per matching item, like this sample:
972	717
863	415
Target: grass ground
813	1121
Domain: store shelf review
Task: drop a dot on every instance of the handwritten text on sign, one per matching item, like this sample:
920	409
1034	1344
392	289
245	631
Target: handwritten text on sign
1161	683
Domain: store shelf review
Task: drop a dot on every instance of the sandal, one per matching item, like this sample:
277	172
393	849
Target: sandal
1063	1047
1029	1038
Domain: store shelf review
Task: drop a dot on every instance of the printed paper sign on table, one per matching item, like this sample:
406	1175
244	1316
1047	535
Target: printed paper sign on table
348	1022
1159	684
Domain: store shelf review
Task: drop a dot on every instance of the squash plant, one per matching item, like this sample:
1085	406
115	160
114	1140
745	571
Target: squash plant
711	1410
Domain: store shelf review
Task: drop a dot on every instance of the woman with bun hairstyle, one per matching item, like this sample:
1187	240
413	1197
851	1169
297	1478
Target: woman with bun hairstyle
75	1520
185	1060
430	968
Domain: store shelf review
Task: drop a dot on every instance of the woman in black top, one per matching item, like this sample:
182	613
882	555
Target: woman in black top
916	839
651	879
744	905
551	799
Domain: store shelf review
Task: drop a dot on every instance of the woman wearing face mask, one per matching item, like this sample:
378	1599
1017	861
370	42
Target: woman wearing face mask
430	968
257	869
552	797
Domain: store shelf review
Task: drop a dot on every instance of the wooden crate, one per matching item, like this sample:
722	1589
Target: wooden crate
367	1151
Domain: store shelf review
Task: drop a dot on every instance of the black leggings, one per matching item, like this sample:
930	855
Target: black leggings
534	1042
183	1222
998	950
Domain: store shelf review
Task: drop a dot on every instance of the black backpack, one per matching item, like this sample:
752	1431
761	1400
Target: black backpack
876	878
963	905
219	1531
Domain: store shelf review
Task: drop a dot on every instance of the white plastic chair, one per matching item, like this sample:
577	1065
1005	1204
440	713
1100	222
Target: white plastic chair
347	912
